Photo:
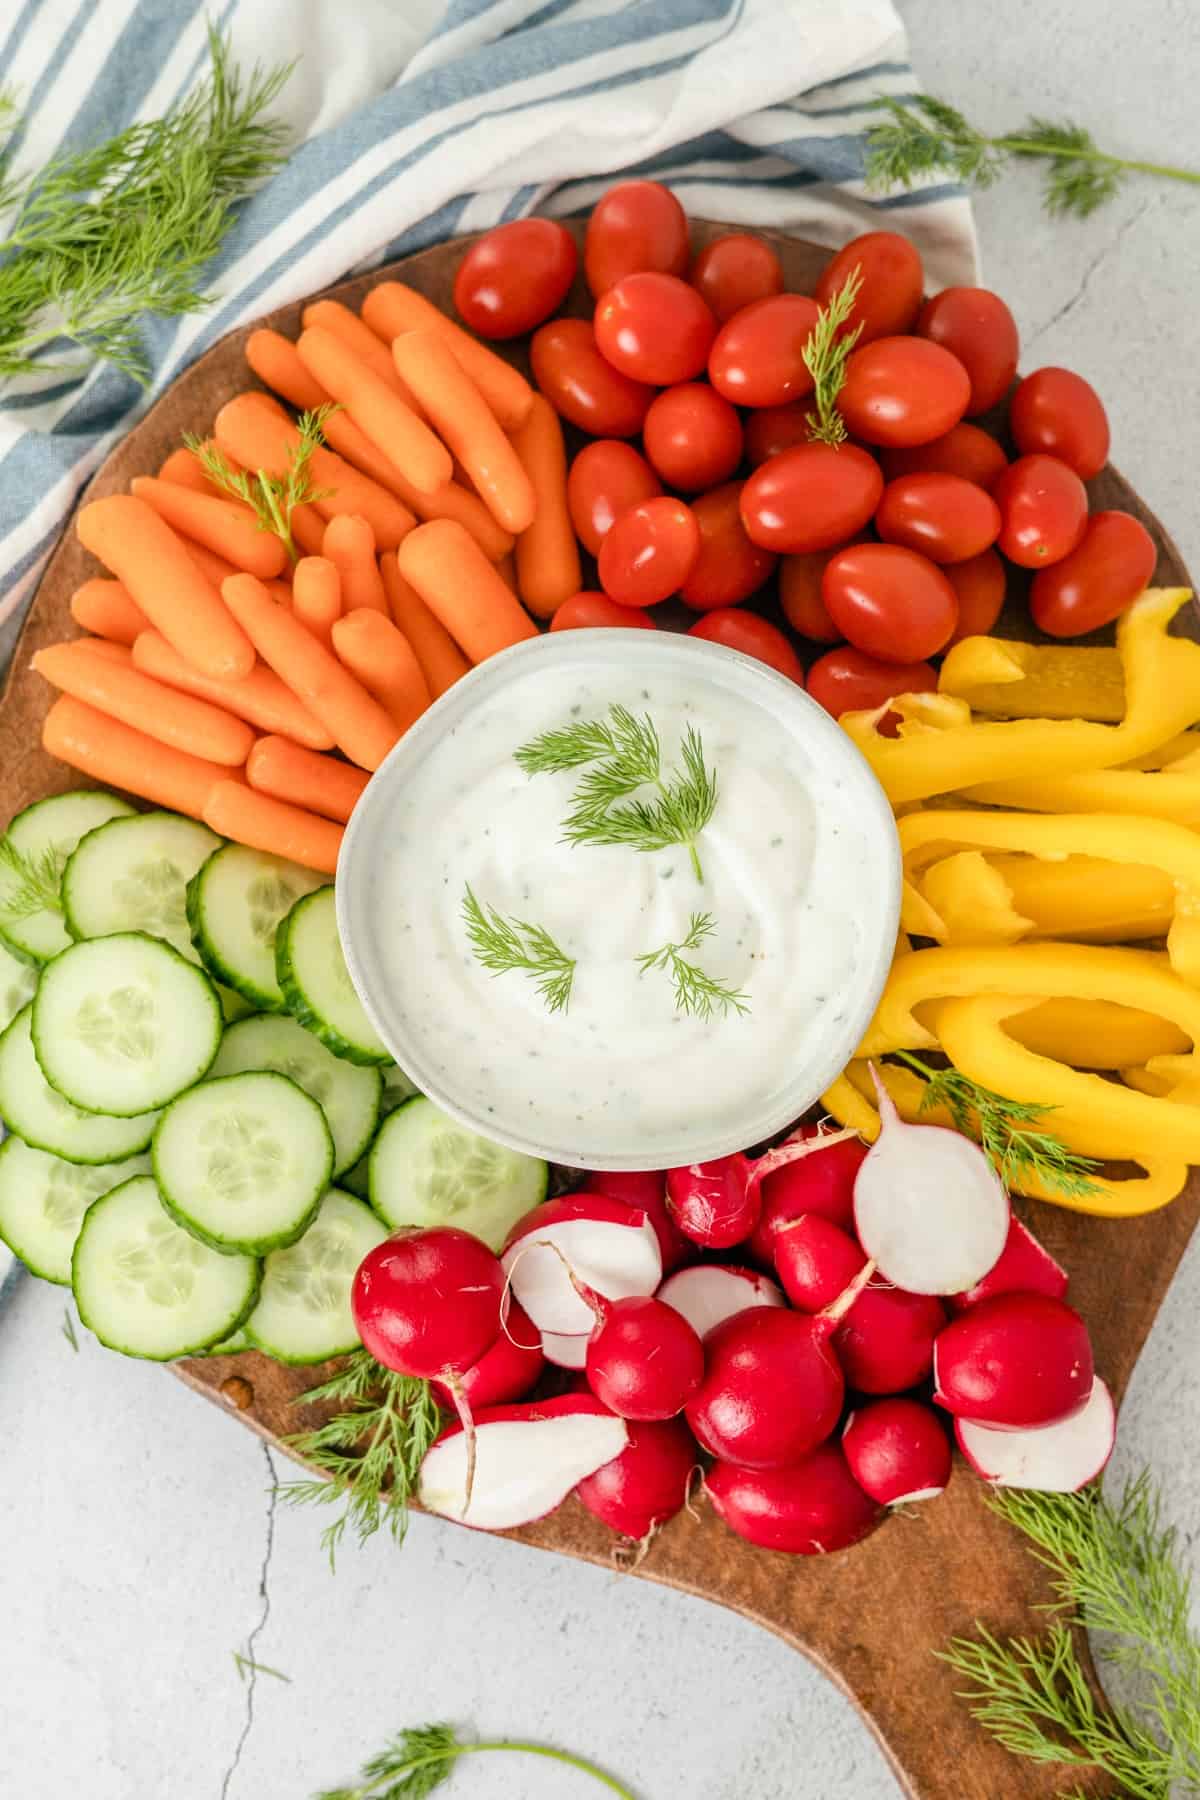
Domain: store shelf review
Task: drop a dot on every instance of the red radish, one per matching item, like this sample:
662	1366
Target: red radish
427	1303
1014	1361
709	1293
647	1484
563	1351
929	1208
528	1457
1025	1267
507	1371
646	1190
886	1343
809	1509
644	1361
712	1203
589	1238
898	1451
815	1260
1054	1459
812	1172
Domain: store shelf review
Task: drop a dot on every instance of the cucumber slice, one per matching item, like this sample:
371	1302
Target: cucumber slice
132	875
43	1200
427	1169
31	1107
230	1346
241	1162
146	1287
18	980
315	982
33	853
122	1024
234	904
348	1096
233	1006
303	1313
397	1088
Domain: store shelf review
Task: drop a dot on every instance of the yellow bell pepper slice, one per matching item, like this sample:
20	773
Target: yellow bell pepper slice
1177	751
1170	793
964	900
1086	898
1035	681
1095	1034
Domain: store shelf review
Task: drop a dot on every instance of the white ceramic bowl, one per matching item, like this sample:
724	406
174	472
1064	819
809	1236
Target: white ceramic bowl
666	657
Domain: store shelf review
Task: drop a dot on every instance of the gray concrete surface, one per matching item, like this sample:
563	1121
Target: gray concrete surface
140	1545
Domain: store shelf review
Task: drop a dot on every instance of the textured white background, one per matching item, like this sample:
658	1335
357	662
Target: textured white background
139	1544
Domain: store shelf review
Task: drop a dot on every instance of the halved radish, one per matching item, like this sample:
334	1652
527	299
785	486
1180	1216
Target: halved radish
565	1352
1025	1267
528	1457
1054	1459
646	1191
709	1293
579	1238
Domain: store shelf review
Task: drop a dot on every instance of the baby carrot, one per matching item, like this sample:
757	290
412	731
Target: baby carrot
142	551
548	570
125	693
185	469
316	599
274	360
218	567
457	409
391	309
350	546
384	661
377	409
323	784
256	820
225	527
359	724
308	529
108	609
118	756
458	583
442	662
332	316
105	648
506	569
259	697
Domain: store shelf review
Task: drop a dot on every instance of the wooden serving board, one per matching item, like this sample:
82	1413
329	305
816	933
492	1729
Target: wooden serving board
871	1617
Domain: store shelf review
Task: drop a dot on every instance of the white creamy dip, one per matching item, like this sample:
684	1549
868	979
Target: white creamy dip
798	875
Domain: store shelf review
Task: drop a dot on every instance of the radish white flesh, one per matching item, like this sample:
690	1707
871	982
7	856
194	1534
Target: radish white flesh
929	1208
565	1352
1053	1459
527	1459
580	1238
710	1293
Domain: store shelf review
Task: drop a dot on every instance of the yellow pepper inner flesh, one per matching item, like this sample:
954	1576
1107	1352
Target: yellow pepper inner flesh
1035	681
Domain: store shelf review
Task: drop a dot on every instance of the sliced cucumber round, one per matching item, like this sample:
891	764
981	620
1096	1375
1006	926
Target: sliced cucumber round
31	1107
18	980
348	1095
33	853
427	1169
241	1162
234	904
43	1200
230	1346
303	1312
315	982
132	875
397	1088
123	1024
148	1288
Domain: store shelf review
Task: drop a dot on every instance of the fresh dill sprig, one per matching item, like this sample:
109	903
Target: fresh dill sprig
1006	1132
420	1759
825	355
503	945
696	992
36	880
104	235
926	136
370	1450
1117	1566
246	1665
68	1330
272	498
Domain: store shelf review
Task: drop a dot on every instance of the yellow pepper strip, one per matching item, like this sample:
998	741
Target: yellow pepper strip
1170	793
1152	843
934	755
1085	898
1035	681
1177	750
964	900
1095	1034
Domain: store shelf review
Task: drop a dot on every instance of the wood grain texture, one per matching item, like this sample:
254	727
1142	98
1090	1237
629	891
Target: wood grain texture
871	1617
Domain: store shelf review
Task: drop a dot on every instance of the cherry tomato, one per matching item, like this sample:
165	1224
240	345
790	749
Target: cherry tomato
903	390
636	225
944	517
979	585
758	356
1043	511
654	328
581	385
889	601
729	567
1062	415
770	429
975	325
963	450
515	276
752	636
585	611
892	283
649	552
606	479
693	437
733	271
811	498
800	596
846	680
1109	567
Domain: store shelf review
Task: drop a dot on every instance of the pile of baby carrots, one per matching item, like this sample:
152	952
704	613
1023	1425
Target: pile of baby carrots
227	681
